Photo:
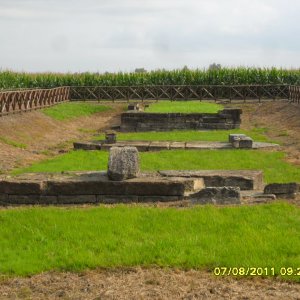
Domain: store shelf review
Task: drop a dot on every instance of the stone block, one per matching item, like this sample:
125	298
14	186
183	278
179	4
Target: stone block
217	195
246	143
113	199
23	199
235	136
24	187
141	186
3	198
159	146
234	113
110	137
153	199
177	145
244	179
123	163
76	199
86	146
48	200
142	146
284	190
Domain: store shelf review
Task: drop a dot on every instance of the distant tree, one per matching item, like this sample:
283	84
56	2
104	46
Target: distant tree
214	66
140	70
185	68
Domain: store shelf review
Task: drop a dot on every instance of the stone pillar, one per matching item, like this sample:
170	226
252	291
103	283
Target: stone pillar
123	163
110	137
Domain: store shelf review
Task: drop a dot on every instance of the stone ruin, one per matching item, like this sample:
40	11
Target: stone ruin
123	163
136	120
124	183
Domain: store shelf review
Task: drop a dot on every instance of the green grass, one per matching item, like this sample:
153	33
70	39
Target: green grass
257	134
184	107
10	142
71	110
272	163
34	240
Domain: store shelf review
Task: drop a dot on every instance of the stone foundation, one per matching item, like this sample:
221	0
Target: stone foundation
216	187
143	121
93	187
144	146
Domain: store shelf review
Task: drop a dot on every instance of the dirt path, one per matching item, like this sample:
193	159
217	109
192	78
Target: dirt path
144	284
44	136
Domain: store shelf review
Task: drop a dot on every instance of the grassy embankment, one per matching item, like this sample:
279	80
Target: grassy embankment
72	110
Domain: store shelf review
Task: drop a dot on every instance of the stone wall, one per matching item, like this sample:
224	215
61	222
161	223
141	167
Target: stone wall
143	121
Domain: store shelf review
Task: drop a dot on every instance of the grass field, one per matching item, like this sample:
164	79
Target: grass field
71	110
272	163
34	240
184	107
257	134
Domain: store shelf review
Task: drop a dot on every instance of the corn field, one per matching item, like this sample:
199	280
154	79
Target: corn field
224	76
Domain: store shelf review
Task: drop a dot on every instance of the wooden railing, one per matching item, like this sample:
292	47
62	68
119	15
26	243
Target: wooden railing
29	99
180	92
294	94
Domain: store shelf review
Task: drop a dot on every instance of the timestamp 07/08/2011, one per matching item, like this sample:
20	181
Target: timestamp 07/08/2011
256	271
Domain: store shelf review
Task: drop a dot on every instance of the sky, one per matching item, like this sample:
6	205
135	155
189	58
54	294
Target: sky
121	35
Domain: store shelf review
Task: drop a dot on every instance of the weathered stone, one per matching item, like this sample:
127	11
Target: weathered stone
76	199
256	197
143	121
23	199
245	143
113	199
86	146
22	187
110	137
3	198
235	136
142	146
151	199
99	184
177	145
244	179
48	200
284	190
217	195
159	146
123	163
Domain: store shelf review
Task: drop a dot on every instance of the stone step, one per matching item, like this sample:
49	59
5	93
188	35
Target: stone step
244	179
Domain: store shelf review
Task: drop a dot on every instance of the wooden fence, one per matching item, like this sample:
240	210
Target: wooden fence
186	92
29	99
294	94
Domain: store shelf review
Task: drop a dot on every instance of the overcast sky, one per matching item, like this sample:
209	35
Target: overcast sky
121	35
